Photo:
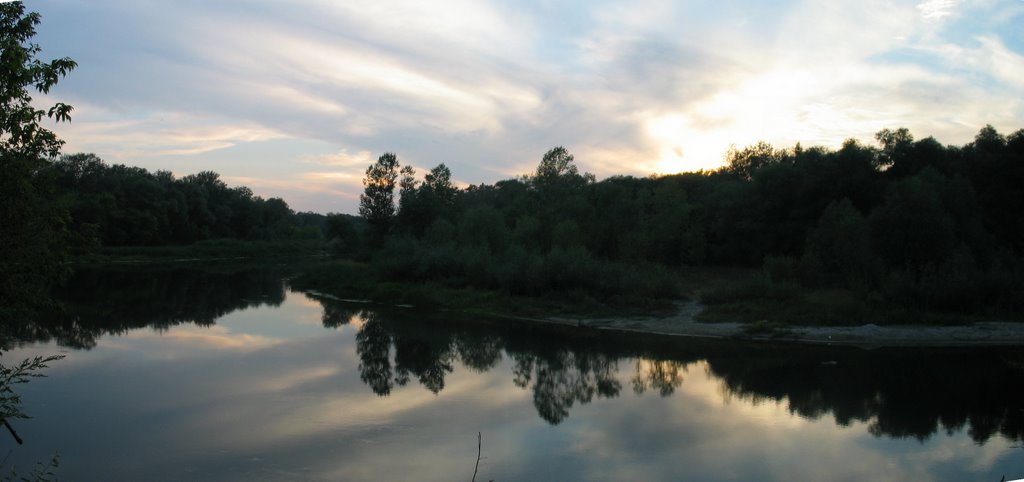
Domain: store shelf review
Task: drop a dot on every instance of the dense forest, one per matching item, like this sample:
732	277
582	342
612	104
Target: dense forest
118	205
911	222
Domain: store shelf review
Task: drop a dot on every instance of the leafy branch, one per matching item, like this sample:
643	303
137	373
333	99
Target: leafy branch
10	401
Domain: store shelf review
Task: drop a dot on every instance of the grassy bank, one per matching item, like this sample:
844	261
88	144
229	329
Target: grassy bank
203	250
355	280
750	296
727	294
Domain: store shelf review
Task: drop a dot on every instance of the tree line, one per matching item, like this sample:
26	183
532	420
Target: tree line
911	222
118	205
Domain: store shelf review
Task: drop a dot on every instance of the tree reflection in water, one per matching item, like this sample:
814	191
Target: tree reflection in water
108	301
562	378
427	358
663	375
899	393
373	344
392	351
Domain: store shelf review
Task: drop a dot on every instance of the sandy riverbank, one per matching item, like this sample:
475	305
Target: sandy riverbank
683	323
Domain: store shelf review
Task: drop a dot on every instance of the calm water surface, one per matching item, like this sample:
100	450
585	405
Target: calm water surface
226	374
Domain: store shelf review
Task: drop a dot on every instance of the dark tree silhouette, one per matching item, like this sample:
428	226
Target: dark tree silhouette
377	203
32	234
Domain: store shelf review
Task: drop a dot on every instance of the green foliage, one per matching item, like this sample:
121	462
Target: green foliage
896	146
21	135
420	206
377	204
438	182
912	224
746	162
527	233
566	235
556	164
118	205
441	232
557	183
956	285
571	273
33	237
342	236
484	226
408	182
840	245
911	228
40	473
206	250
10	377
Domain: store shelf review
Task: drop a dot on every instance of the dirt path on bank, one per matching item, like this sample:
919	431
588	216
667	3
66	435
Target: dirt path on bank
684	323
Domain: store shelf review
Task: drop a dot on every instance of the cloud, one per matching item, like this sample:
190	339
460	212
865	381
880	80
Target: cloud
937	9
169	344
994	57
487	87
159	133
342	159
301	187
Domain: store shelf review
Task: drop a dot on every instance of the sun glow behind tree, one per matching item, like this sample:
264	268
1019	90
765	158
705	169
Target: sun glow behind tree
287	99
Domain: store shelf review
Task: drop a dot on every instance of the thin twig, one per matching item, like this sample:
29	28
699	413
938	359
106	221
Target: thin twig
15	434
478	443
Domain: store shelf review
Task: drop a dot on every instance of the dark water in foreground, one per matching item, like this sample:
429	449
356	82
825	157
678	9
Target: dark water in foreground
226	374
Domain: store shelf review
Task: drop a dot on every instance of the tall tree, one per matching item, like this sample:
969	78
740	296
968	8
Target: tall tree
377	203
896	146
422	203
752	158
439	182
556	163
32	234
407	184
408	192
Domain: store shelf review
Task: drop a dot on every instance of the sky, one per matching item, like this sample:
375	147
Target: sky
296	98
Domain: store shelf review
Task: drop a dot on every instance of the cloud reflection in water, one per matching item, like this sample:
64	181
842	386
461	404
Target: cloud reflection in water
262	393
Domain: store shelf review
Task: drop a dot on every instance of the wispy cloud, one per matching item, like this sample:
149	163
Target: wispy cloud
487	87
342	159
937	9
160	133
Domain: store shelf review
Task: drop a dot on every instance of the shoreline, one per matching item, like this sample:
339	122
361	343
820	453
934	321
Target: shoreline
683	324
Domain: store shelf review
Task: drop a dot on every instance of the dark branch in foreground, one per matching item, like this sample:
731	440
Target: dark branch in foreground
479	438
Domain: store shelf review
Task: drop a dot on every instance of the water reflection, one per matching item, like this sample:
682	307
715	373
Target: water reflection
395	349
899	392
665	376
110	301
906	393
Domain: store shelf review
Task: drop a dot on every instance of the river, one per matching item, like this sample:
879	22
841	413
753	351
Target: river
225	373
